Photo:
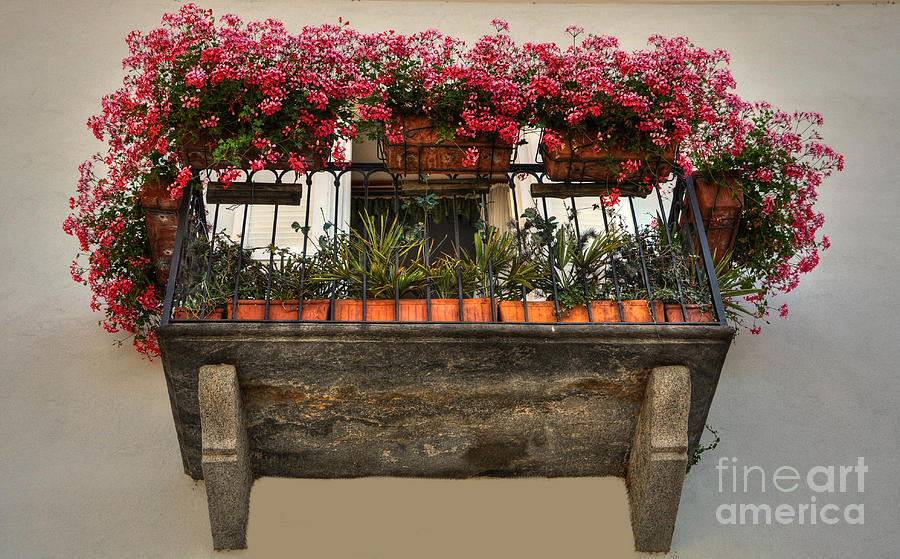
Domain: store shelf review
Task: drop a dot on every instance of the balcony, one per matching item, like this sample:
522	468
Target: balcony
530	381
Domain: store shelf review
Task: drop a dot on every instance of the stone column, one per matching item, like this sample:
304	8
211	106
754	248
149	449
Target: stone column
658	460
226	459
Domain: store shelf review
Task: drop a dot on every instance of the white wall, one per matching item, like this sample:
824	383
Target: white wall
89	463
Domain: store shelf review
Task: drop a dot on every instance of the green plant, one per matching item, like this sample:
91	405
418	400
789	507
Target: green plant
381	257
210	286
291	273
450	274
500	266
674	268
736	285
577	266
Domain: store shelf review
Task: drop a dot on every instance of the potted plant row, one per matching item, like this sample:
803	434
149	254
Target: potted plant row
215	285
578	278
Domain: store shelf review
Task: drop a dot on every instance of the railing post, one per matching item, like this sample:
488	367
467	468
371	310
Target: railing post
183	213
704	248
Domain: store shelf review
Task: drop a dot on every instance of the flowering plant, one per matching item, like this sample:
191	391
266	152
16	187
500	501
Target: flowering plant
257	92
644	102
465	92
112	236
254	90
778	162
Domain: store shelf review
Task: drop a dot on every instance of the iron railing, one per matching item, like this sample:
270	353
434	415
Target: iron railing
673	207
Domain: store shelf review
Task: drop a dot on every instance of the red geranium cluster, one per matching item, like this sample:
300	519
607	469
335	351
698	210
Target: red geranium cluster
257	92
645	102
108	221
779	162
465	92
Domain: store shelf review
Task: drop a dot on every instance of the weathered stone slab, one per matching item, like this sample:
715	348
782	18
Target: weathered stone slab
438	400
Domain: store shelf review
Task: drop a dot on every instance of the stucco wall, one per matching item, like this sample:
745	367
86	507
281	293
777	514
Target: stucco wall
89	463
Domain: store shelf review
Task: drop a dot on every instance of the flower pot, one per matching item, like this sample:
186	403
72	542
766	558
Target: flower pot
474	310
721	202
255	309
578	160
377	310
638	310
694	313
182	313
421	151
601	311
413	310
538	311
161	218
197	151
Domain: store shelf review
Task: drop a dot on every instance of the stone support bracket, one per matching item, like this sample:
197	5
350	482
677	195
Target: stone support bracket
658	459
225	458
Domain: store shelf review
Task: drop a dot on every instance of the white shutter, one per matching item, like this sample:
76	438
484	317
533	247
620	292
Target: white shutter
321	211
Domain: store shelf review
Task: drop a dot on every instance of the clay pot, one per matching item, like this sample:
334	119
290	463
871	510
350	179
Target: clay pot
694	314
638	310
601	311
182	313
161	218
538	311
721	203
474	310
422	151
577	160
413	310
285	310
197	151
377	310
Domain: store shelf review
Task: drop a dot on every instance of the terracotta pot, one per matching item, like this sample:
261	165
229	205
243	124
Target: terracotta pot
412	310
601	311
182	313
286	310
577	160
161	218
638	310
377	310
197	151
474	310
538	311
721	203
674	314
422	151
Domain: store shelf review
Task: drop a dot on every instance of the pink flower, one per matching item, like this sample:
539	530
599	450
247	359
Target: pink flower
574	30
500	25
471	157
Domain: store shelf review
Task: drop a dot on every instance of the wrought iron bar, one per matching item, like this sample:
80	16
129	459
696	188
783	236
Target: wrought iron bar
704	249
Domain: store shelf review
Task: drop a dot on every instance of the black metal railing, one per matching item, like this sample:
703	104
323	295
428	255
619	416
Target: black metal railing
660	256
